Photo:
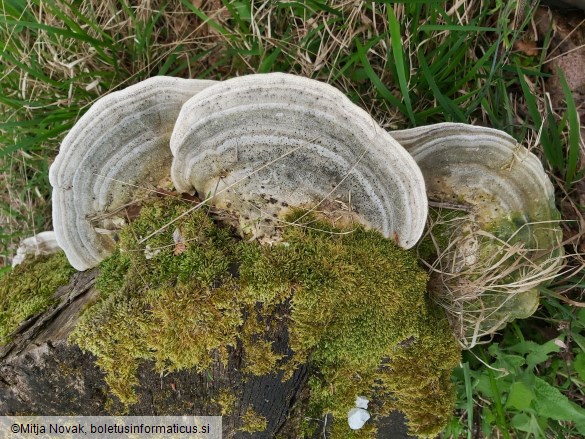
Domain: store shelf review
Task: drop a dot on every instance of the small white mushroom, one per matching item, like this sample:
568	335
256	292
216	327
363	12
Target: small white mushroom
116	150
361	402
43	243
357	417
260	144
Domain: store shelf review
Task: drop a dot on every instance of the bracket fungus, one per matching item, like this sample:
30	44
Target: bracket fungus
117	149
261	143
44	243
277	148
508	240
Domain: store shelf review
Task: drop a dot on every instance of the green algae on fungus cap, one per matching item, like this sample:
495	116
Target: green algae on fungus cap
116	152
507	244
260	144
28	289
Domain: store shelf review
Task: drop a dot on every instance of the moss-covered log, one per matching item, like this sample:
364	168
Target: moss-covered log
42	374
280	340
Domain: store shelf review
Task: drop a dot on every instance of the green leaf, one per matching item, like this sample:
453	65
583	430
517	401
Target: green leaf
536	353
494	350
520	396
510	363
483	386
579	365
521	422
243	9
551	403
487	420
541	353
579	339
580	321
527	423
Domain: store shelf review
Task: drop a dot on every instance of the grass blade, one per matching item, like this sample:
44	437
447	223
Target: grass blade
199	13
501	419
469	399
574	132
397	52
448	105
550	151
456	27
267	64
376	81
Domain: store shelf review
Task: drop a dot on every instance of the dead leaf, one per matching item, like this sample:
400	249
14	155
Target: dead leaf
180	247
528	48
132	211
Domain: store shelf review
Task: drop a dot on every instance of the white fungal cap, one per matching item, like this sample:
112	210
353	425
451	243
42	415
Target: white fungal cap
262	143
43	243
118	147
357	417
509	241
481	166
361	402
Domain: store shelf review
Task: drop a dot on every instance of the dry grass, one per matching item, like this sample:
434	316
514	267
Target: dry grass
53	71
484	281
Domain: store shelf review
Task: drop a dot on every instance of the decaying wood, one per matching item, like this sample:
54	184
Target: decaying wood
41	374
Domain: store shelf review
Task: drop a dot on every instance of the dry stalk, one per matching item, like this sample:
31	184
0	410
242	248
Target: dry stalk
484	281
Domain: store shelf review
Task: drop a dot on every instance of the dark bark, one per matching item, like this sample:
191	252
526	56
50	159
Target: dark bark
41	374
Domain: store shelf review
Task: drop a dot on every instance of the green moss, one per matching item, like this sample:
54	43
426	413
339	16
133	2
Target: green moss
348	299
417	378
253	422
28	290
440	227
161	308
226	401
191	321
260	358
